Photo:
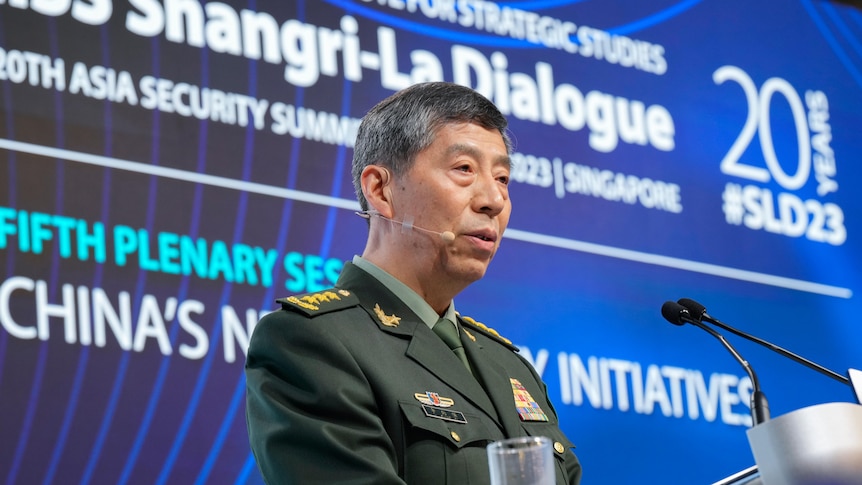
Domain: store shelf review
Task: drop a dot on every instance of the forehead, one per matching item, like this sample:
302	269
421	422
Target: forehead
472	140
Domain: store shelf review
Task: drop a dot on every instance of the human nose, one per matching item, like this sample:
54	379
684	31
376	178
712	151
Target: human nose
490	195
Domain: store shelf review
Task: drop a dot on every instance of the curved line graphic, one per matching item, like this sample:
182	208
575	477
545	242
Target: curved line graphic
857	17
287	211
28	417
832	41
655	18
68	416
497	41
337	176
83	359
843	29
247	467
195	398
122	367
104	427
153	402
132	457
142	276
11	197
239	390
227	423
176	446
191	409
437	32
540	4
281	244
41	359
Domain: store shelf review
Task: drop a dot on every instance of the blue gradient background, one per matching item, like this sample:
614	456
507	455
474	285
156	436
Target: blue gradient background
72	413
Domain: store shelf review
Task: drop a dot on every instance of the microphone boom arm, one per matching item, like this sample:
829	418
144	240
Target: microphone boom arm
790	355
678	314
759	406
697	309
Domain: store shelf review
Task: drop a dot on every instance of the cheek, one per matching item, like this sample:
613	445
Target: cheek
449	204
413	201
505	215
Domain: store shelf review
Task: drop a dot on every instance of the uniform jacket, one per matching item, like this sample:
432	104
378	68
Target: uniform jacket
348	385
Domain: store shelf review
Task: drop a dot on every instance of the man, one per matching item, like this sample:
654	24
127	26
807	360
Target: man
354	384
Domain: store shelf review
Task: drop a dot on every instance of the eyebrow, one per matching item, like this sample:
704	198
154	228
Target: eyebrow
472	151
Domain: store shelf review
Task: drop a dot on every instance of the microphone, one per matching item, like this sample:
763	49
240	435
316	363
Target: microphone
406	226
699	313
679	315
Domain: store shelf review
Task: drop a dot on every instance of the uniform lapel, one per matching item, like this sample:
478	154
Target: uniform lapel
429	351
425	347
498	387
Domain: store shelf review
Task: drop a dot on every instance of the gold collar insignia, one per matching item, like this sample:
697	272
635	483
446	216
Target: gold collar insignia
390	320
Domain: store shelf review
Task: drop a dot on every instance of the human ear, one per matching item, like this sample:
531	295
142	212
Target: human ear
376	186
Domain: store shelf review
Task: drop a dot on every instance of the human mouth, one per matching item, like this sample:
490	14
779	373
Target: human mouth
485	239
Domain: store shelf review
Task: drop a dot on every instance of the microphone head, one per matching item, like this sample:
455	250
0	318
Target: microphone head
448	236
674	313
693	307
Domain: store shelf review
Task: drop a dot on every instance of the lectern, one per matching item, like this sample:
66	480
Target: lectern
816	445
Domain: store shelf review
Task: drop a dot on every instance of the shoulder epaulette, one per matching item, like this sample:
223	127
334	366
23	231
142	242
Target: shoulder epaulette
488	332
318	303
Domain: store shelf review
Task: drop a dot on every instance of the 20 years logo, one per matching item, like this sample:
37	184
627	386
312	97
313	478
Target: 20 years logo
785	212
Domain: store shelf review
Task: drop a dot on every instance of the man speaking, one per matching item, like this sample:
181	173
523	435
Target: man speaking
379	380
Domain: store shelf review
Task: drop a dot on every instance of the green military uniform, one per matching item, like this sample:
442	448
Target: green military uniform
348	385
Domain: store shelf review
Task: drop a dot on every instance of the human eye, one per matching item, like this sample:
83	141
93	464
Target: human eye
464	167
502	176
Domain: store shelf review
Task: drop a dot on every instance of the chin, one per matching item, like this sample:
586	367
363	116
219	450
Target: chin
473	273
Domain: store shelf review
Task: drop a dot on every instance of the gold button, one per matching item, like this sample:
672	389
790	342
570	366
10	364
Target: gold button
455	436
559	447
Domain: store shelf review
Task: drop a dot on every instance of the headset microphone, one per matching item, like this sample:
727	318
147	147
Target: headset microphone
406	226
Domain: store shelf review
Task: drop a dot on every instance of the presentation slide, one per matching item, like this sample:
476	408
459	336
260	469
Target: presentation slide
169	168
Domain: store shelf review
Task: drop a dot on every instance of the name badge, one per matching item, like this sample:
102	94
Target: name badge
445	414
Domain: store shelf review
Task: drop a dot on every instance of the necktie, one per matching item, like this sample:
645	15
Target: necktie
449	334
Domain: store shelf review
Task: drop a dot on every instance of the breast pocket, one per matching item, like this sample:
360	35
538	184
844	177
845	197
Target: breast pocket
445	445
560	445
452	426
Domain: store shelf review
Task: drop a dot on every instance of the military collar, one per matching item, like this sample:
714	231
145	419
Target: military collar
404	293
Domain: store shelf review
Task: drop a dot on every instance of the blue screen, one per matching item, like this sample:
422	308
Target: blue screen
169	169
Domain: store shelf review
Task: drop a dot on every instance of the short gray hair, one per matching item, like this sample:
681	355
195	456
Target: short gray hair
394	131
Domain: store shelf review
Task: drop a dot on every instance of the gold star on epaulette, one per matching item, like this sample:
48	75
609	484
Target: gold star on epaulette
304	302
388	320
313	301
326	296
320	303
